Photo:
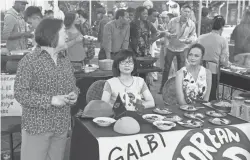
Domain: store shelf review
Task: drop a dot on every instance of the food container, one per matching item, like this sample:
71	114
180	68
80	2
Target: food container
236	106
245	111
106	64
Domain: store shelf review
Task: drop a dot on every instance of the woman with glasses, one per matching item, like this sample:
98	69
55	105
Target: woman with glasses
130	88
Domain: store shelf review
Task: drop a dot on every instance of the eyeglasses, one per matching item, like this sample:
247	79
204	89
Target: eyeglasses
127	62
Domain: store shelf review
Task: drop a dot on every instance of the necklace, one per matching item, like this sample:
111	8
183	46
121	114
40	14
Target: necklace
126	85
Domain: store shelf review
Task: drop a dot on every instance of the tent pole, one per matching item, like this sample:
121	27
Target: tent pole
90	12
227	11
199	22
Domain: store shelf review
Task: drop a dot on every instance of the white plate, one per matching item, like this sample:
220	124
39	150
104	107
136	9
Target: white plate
172	118
152	117
216	114
188	108
162	111
164	125
190	123
104	121
219	121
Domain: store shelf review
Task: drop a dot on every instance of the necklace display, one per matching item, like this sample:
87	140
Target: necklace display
125	84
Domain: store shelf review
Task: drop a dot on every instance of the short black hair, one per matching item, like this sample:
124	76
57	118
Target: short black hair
82	13
204	12
197	45
151	11
139	10
121	56
130	10
120	13
218	22
48	12
32	10
69	19
46	33
186	6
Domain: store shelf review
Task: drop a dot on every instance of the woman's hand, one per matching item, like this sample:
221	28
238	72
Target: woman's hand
59	101
72	98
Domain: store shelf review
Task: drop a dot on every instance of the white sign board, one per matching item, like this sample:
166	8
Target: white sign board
9	105
221	142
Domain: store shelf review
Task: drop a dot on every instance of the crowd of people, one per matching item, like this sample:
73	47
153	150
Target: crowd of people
45	85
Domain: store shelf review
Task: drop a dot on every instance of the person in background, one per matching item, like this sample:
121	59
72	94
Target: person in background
206	23
85	29
45	86
110	15
131	12
14	29
216	50
193	82
102	20
142	33
125	84
241	35
152	17
192	15
59	14
49	14
181	33
165	20
148	4
164	41
33	16
116	35
76	52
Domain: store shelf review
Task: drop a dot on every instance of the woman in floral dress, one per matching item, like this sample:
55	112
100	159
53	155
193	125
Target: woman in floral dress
193	82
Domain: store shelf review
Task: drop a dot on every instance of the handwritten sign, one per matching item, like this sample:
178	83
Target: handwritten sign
217	143
9	105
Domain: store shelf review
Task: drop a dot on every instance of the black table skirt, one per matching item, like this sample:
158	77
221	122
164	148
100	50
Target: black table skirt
235	80
84	144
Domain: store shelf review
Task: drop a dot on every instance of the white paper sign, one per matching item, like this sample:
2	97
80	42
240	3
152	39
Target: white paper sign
9	105
232	142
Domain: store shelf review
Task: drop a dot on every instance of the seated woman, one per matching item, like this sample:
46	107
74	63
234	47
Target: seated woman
193	82
130	88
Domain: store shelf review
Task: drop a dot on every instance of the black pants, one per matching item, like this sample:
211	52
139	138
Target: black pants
168	62
213	88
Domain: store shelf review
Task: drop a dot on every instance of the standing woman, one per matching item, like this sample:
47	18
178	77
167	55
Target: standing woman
193	82
142	33
45	87
76	51
85	28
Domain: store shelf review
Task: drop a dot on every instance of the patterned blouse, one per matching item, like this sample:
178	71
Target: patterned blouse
38	79
140	32
194	90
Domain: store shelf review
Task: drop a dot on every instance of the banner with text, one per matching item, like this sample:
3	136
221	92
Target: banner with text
9	105
227	142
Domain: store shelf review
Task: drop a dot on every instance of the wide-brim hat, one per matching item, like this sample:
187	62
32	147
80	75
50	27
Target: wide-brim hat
98	108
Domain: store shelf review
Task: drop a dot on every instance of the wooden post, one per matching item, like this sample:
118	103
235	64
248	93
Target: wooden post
227	11
199	22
